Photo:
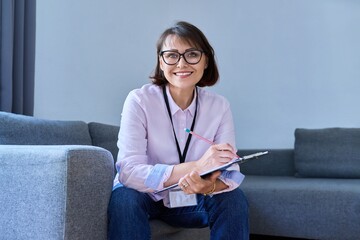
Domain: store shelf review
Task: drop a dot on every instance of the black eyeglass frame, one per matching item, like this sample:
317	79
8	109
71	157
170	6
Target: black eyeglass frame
182	55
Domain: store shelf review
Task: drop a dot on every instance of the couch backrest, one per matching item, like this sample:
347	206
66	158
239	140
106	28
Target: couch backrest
278	162
327	152
18	129
105	136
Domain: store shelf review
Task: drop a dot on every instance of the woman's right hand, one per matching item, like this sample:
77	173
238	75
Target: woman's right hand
216	155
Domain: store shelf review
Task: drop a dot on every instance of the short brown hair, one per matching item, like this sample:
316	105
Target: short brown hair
191	34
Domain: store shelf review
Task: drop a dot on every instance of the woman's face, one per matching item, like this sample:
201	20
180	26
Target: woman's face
182	74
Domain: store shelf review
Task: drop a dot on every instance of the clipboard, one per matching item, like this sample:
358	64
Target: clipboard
221	168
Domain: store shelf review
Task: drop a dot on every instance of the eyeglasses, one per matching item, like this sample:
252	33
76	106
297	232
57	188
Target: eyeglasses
190	56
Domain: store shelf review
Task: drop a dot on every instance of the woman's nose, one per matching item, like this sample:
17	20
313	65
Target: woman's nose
181	61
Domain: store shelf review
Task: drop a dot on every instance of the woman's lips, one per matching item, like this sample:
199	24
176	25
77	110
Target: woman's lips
181	74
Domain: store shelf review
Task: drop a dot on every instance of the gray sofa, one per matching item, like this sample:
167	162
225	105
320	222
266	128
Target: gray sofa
56	179
311	191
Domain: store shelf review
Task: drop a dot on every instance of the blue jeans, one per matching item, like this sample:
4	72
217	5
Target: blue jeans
226	214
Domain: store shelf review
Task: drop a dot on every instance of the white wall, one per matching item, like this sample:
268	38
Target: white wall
283	64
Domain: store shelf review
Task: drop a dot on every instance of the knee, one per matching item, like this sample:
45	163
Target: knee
232	206
239	199
234	201
126	210
125	199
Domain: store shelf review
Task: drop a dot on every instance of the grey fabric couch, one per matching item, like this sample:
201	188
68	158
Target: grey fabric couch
56	180
311	191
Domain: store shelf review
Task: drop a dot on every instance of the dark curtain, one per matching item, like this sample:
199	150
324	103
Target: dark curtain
17	55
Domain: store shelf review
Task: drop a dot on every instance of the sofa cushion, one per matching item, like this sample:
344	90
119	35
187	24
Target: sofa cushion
105	136
279	162
328	152
306	208
18	129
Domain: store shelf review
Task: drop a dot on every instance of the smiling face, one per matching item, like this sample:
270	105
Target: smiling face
182	75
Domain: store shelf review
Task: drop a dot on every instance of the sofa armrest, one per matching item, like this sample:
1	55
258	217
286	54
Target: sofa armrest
278	162
54	192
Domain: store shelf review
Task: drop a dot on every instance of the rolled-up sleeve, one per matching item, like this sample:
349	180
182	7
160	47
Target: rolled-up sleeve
232	179
158	175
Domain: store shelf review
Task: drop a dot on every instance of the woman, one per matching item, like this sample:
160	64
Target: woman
156	152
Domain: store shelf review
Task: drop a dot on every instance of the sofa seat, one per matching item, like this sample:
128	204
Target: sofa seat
313	208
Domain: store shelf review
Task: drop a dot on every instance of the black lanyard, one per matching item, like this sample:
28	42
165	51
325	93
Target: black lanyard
183	155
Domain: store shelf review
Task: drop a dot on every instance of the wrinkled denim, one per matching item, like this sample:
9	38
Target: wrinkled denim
226	214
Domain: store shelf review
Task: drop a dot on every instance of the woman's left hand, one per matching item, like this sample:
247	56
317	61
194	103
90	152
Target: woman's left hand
193	183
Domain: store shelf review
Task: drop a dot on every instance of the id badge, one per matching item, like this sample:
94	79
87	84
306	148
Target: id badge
179	199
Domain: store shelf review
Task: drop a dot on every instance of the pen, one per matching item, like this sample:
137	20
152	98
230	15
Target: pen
200	137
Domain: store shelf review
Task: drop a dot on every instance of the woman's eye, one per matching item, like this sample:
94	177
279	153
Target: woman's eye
192	54
172	55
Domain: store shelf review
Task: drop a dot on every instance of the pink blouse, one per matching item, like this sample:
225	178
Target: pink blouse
147	147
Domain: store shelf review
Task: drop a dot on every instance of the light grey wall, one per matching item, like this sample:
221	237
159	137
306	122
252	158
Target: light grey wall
283	64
